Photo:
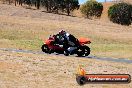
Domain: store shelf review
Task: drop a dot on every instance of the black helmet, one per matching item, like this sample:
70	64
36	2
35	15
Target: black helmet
62	32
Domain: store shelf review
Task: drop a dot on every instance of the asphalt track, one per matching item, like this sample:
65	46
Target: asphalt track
120	60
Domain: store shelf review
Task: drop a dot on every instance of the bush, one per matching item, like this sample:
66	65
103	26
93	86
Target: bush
92	8
120	13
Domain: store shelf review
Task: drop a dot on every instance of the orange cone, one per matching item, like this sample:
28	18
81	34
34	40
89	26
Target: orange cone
81	71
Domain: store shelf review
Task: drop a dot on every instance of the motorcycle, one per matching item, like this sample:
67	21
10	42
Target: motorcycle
50	47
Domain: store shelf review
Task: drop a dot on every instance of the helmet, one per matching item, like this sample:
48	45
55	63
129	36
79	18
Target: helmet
62	32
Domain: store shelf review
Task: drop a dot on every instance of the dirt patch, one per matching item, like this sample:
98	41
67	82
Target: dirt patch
54	71
6	65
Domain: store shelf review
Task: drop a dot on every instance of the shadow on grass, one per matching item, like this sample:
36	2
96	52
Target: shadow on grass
59	13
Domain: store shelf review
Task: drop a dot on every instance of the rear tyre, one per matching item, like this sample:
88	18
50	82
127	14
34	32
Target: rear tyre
83	51
66	53
87	50
45	48
80	51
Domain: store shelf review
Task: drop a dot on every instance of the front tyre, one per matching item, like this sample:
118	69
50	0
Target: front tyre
45	48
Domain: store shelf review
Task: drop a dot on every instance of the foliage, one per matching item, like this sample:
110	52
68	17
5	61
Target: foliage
121	13
63	5
53	6
92	8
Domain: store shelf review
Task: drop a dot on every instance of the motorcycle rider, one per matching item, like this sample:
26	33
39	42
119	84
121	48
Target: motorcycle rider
70	42
59	40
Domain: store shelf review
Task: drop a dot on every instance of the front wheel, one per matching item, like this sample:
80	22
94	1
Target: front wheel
45	48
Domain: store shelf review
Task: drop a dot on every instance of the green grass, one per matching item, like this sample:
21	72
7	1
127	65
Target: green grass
14	34
29	35
21	39
34	44
100	46
112	50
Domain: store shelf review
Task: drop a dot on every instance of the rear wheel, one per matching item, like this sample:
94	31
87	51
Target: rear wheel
45	48
87	50
83	51
66	53
80	52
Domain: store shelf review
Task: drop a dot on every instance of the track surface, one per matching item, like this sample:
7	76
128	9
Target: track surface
120	60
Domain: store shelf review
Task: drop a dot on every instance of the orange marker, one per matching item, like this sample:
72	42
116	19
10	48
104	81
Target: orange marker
81	71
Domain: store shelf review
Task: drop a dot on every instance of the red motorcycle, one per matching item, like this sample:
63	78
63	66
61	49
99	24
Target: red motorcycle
50	47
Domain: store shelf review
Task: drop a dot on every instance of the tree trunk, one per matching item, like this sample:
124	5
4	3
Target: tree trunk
68	7
9	2
20	2
38	4
68	11
50	5
15	2
47	8
57	6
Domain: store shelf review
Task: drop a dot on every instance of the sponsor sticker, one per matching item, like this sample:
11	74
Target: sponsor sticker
103	78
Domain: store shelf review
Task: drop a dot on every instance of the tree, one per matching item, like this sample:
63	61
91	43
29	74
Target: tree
53	5
92	8
71	5
121	13
63	5
47	4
